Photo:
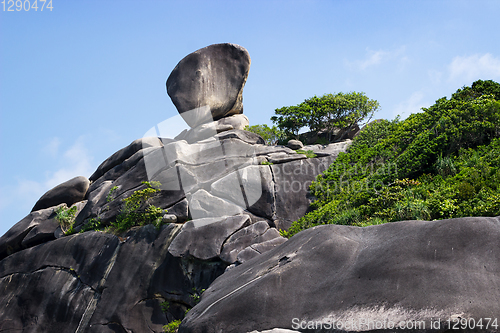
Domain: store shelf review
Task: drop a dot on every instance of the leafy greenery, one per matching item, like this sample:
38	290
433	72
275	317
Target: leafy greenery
441	163
266	163
165	306
137	210
172	327
341	110
110	198
196	295
309	153
66	218
93	224
271	135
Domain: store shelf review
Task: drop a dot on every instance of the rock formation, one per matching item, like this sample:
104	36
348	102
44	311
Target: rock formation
209	83
227	195
408	273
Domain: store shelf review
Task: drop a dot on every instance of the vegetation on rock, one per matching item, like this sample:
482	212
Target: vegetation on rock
340	110
137	211
66	218
271	135
441	163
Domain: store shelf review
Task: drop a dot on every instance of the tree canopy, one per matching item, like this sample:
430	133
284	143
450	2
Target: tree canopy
327	112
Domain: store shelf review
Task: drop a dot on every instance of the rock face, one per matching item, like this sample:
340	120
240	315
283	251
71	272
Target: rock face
207	84
99	282
69	192
403	272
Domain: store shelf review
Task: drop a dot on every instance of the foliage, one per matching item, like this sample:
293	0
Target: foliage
137	210
165	306
441	163
93	224
196	295
309	153
271	135
290	119
172	327
266	163
66	218
110	198
341	110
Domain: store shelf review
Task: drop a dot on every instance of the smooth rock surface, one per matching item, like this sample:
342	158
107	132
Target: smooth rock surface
123	154
400	271
208	84
292	181
253	234
203	238
294	144
69	192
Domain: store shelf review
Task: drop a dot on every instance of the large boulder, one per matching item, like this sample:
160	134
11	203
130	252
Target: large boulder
401	273
207	84
69	192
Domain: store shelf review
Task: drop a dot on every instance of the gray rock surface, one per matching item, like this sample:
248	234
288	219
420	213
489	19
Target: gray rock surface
208	84
252	235
123	154
201	132
294	144
400	271
291	188
69	192
203	238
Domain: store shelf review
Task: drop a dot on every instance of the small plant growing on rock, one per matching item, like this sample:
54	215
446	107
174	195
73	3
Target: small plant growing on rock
196	295
172	327
133	213
66	218
110	198
266	163
309	153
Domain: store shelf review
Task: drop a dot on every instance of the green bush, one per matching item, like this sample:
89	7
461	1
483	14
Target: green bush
271	135
172	327
136	210
66	218
441	163
309	153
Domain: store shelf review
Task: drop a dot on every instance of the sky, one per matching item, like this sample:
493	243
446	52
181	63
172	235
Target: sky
87	78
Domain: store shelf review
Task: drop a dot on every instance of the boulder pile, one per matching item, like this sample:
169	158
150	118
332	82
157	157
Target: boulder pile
218	252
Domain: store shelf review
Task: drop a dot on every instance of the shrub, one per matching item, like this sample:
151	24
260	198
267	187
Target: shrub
441	163
137	211
172	327
309	153
271	135
66	218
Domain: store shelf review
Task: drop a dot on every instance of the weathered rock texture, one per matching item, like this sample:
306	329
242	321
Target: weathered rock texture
99	282
69	192
403	272
208	84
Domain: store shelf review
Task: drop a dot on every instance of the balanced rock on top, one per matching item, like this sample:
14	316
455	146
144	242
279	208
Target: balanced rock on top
207	84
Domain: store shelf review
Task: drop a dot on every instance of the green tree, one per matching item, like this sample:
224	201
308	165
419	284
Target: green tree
330	111
271	135
290	119
342	110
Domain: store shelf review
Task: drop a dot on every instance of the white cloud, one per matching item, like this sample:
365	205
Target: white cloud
52	148
435	76
374	58
74	161
474	67
411	105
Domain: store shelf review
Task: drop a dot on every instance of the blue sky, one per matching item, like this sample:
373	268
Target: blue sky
84	80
